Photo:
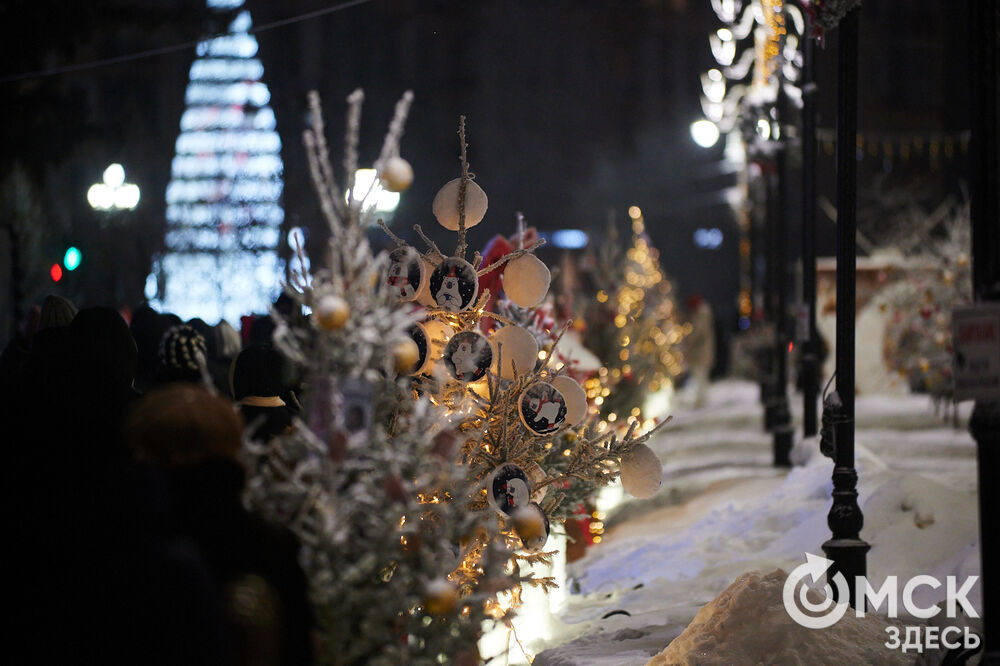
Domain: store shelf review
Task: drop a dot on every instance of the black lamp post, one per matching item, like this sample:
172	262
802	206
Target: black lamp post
809	368
985	205
846	548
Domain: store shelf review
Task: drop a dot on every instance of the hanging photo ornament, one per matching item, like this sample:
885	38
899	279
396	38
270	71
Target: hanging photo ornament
420	338
468	356
406	275
575	396
531	525
445	204
526	280
454	285
542	408
508	488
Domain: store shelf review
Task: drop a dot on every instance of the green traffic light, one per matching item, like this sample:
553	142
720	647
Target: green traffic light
72	258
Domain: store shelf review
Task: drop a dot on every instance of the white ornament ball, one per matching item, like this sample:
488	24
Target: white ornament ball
519	350
446	205
332	312
526	280
396	175
641	472
575	396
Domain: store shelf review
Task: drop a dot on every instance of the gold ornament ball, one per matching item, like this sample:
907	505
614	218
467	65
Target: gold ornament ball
947	277
396	175
440	597
332	312
405	355
529	523
445	204
963	260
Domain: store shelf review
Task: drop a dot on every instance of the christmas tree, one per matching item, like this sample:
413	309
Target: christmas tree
223	200
918	306
367	478
631	325
528	443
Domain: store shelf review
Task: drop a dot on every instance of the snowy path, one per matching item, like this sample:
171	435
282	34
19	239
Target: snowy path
723	509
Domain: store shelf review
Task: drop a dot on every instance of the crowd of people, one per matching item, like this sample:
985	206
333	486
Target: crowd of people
124	482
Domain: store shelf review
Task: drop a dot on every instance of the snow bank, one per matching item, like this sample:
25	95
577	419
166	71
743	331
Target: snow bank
747	624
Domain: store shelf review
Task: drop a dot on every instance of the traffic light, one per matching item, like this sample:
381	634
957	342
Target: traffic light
72	258
56	272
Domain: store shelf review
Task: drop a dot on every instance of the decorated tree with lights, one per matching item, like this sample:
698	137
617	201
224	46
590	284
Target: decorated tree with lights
523	419
223	201
918	308
631	325
368	478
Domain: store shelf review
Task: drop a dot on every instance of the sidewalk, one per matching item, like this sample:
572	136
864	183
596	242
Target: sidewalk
723	510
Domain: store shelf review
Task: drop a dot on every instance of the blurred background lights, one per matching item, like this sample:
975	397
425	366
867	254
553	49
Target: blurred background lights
71	259
113	192
368	188
569	239
705	133
709	239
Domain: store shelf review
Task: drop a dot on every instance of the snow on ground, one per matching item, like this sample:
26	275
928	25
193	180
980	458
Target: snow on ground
723	510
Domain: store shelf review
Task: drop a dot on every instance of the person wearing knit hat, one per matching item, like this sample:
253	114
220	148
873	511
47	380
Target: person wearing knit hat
256	378
194	437
183	355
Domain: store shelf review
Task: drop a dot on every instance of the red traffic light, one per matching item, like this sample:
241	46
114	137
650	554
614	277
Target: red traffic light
56	272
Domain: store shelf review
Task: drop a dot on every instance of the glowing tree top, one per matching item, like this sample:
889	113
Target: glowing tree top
223	200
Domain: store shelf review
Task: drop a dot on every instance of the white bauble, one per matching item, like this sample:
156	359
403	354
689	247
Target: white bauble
396	175
641	472
575	396
520	350
446	205
526	280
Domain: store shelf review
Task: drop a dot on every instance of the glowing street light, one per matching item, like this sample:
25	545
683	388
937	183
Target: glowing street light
705	133
114	193
368	188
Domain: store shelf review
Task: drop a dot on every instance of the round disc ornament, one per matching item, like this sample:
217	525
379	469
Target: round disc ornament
445	204
454	284
542	408
419	336
406	274
508	488
575	396
517	349
468	355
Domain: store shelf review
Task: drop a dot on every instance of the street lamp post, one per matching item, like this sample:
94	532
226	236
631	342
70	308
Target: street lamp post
985	208
808	334
113	193
846	548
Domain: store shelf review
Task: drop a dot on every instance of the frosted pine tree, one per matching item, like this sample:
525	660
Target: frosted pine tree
368	478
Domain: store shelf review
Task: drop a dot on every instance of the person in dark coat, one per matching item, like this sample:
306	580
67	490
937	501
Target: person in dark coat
183	355
257	377
195	437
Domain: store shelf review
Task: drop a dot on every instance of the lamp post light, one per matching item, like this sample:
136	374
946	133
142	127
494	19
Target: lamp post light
113	194
846	547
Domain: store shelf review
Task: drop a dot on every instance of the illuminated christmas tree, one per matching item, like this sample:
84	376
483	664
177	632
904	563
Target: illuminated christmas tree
223	201
632	326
